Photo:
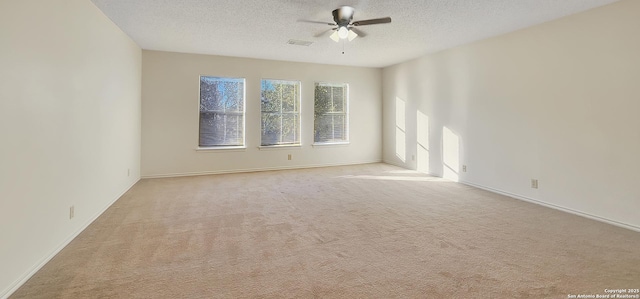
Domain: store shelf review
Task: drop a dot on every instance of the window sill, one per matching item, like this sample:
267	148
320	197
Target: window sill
277	147
329	144
221	149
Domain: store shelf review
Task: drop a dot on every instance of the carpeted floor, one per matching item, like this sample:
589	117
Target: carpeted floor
365	231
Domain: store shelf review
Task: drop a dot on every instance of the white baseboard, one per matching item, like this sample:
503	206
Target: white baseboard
394	163
509	194
556	207
170	175
18	283
538	202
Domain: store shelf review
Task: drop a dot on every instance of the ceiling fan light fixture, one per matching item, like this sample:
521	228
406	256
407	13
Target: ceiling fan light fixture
352	35
345	27
334	36
343	32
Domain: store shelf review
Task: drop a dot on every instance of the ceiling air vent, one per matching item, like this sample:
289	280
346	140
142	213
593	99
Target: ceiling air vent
299	42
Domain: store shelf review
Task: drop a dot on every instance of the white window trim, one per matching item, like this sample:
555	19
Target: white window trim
221	149
279	147
328	144
346	113
225	148
276	146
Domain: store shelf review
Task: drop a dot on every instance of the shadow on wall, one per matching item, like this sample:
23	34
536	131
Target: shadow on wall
450	154
422	147
401	139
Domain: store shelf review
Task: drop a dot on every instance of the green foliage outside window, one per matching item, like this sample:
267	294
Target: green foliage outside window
280	108
331	123
221	111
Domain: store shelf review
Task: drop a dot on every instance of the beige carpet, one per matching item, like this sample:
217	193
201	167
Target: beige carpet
366	231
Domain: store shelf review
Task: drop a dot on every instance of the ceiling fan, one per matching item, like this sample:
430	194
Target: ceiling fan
345	26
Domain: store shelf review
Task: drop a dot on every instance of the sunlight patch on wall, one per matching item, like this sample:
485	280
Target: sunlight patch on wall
422	147
450	154
401	139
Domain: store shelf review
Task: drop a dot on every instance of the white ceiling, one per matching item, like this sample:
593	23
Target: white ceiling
261	28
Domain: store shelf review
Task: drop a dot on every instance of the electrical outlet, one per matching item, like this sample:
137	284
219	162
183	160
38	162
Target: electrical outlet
464	168
534	183
128	171
72	212
413	157
289	157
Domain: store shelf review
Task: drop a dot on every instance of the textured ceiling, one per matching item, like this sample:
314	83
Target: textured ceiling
261	28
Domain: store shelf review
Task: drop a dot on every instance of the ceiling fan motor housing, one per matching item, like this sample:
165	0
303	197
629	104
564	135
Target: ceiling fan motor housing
343	15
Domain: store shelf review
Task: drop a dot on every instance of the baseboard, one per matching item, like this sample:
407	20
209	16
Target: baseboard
394	163
18	283
171	175
509	194
554	206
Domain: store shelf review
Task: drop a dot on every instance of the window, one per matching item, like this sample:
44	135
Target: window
221	112
280	107
331	113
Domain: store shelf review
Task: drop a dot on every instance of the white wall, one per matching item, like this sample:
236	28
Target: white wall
69	126
170	111
558	102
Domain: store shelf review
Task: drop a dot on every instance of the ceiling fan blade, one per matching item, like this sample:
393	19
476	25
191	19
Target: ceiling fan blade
320	34
316	22
372	21
359	32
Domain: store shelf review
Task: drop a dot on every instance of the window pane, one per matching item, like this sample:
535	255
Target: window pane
221	111
288	98
323	128
322	102
210	94
271	96
289	128
338	101
339	127
280	112
233	94
331	121
234	130
271	128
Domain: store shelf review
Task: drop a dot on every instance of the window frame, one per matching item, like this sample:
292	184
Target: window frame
298	132
244	117
346	113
